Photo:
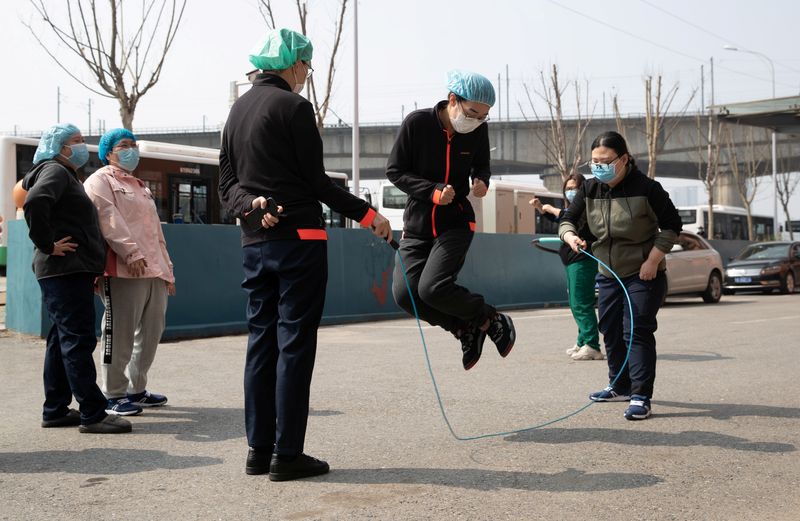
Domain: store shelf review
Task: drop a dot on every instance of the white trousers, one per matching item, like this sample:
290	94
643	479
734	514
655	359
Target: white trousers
132	325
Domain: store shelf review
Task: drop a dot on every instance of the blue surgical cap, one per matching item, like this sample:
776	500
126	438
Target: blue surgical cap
280	49
52	140
470	86
111	138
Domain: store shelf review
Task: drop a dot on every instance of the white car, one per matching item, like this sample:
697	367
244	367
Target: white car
694	267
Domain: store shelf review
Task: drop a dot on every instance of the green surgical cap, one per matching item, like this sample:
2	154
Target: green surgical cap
280	50
470	86
52	140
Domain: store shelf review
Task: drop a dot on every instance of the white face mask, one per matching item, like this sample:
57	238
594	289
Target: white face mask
464	125
298	87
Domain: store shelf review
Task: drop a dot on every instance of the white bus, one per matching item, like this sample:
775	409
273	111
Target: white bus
184	181
730	223
505	208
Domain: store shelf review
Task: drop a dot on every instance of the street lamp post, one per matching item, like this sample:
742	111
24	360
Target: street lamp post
774	139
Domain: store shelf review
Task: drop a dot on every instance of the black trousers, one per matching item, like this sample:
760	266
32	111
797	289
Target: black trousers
285	284
432	268
68	364
615	324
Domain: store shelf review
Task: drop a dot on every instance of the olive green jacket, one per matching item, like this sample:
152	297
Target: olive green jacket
628	220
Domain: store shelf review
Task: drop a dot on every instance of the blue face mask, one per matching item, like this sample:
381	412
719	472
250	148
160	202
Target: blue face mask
128	159
570	194
80	154
604	173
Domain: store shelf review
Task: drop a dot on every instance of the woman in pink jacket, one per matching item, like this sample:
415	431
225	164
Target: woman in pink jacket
138	275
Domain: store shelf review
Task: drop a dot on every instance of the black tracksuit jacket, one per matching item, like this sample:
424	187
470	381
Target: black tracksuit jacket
271	147
56	207
424	160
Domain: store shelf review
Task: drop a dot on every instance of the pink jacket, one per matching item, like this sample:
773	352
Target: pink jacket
129	222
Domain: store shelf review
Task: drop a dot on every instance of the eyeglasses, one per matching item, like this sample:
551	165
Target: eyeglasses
310	70
482	120
591	162
125	146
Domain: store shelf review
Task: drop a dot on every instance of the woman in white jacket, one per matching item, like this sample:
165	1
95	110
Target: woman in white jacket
138	275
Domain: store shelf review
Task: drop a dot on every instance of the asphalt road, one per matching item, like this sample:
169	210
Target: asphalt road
722	443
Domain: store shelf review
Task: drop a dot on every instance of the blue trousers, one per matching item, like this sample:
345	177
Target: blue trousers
639	373
285	285
68	364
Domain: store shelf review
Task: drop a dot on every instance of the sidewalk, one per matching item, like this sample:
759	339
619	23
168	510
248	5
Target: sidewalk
722	443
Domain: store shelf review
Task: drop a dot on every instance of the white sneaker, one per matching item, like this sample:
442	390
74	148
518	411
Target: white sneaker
572	350
588	353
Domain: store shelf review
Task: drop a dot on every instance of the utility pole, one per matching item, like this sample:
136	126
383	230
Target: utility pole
402	112
356	144
604	104
702	88
499	99
508	114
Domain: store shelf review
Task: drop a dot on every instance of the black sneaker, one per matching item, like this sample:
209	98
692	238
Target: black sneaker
111	424
257	462
501	331
71	419
283	468
471	346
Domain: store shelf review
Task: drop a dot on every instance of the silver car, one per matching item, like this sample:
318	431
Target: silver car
694	267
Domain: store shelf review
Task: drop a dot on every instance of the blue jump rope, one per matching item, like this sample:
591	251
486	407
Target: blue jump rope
455	435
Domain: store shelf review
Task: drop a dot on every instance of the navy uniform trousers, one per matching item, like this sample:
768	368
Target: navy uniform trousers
639	374
285	284
68	364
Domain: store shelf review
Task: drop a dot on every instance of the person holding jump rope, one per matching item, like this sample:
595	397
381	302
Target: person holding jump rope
635	224
581	271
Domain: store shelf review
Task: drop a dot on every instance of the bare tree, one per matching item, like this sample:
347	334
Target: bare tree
787	184
747	169
708	155
562	145
621	127
125	65
321	100
657	105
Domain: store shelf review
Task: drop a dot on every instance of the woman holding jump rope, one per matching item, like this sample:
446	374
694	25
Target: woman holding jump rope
635	224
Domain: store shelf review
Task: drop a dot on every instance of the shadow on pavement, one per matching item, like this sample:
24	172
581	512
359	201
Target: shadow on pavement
726	411
649	439
707	356
678	301
99	461
203	424
570	480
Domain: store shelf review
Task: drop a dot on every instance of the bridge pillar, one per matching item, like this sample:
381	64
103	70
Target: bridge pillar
552	181
725	191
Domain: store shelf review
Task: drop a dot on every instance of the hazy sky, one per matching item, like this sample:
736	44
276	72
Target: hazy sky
406	47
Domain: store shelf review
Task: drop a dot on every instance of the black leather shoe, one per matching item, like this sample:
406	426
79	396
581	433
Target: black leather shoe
283	468
257	462
71	419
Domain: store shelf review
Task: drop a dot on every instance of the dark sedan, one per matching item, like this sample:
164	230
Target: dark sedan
764	266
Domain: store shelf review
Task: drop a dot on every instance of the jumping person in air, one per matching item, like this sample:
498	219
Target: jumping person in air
440	155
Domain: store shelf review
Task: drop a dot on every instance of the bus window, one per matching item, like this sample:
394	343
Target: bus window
688	216
545	226
393	197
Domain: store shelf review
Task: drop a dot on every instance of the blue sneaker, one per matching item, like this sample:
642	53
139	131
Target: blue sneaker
609	395
639	409
147	399
122	407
